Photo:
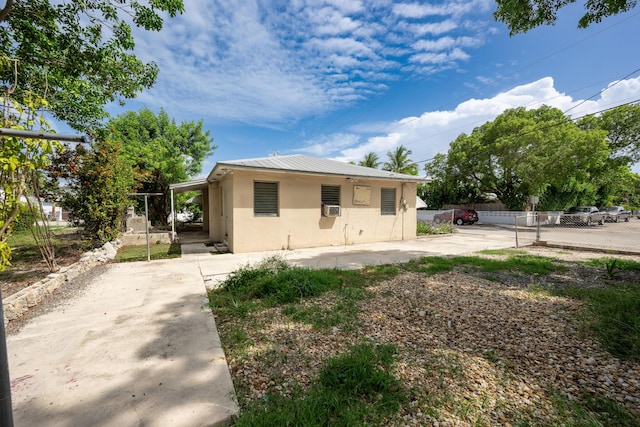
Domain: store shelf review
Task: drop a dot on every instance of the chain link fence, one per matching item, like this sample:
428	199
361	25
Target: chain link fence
583	230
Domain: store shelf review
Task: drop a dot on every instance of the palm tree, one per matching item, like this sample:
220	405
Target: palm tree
370	160
400	162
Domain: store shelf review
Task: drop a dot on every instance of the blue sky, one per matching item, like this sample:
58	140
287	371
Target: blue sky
341	78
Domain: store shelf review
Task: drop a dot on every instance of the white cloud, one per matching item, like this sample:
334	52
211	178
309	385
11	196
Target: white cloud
440	58
435	28
417	10
328	144
266	64
433	131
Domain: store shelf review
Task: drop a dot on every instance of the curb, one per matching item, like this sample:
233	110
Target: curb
14	306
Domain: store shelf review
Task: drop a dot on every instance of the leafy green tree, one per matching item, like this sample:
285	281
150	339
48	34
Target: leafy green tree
449	184
623	131
100	190
162	152
526	152
78	53
370	160
400	162
521	16
20	160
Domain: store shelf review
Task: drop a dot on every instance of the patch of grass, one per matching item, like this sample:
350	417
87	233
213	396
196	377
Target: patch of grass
24	248
139	253
26	259
622	264
356	388
423	228
367	276
491	355
342	314
274	282
238	339
526	264
503	252
539	290
613	314
590	411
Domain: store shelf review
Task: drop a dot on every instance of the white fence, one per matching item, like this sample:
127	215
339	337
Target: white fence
521	218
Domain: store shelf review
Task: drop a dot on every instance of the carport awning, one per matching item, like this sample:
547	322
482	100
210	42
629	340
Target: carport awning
195	185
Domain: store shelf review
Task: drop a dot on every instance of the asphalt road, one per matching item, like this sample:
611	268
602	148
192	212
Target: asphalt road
621	236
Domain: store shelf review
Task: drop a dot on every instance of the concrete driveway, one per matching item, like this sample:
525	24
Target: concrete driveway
139	347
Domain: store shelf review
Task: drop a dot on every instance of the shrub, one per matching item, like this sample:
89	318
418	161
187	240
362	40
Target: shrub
25	218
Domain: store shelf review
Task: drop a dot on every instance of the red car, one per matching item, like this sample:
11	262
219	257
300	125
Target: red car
460	216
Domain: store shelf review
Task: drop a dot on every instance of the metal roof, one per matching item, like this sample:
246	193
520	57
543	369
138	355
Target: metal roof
310	165
181	187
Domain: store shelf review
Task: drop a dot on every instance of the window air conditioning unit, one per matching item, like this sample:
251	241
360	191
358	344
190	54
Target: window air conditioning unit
330	210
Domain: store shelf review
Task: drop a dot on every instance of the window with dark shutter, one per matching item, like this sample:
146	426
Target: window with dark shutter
330	195
388	201
265	198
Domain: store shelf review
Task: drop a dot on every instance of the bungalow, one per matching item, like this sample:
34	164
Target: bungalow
298	201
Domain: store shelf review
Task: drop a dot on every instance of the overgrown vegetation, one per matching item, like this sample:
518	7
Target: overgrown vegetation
358	387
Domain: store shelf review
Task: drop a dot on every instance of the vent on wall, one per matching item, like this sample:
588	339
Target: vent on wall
330	210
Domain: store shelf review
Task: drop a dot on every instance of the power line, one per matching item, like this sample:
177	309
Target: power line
600	92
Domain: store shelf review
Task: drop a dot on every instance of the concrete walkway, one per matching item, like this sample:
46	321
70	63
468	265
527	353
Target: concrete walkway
139	346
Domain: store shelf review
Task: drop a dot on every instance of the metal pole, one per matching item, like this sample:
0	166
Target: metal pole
6	414
146	224
42	135
538	227
173	219
516	225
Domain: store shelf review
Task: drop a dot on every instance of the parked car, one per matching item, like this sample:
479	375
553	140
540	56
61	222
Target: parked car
616	213
584	215
459	216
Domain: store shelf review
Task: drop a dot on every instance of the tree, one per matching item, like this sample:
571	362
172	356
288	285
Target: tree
162	152
449	184
370	160
100	190
525	152
623	131
20	160
524	15
78	53
400	162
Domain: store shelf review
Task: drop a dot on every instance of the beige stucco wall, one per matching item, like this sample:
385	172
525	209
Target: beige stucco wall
300	223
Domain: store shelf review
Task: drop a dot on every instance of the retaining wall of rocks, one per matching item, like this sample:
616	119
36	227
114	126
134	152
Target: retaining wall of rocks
14	306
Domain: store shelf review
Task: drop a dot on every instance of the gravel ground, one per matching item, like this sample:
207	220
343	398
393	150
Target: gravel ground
481	352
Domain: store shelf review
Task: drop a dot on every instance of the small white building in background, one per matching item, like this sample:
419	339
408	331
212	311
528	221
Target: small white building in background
53	211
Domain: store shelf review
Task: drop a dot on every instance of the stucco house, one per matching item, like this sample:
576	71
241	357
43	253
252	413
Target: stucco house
297	201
